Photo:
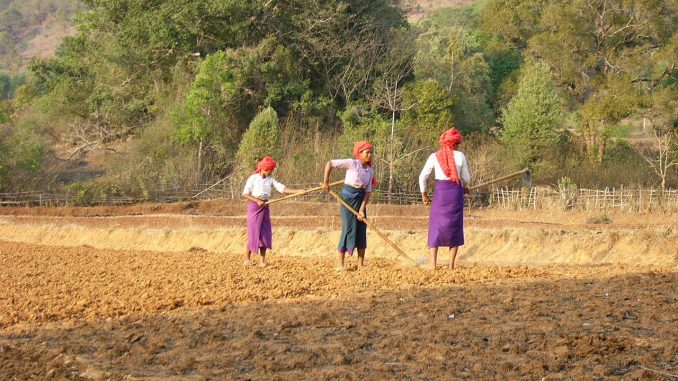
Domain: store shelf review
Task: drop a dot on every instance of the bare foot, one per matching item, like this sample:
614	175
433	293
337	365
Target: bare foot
340	269
263	264
247	262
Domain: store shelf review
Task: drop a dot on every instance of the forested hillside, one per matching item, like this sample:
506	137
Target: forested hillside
169	93
33	27
36	27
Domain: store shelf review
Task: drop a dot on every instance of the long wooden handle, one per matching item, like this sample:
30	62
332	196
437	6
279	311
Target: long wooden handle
307	191
369	224
522	171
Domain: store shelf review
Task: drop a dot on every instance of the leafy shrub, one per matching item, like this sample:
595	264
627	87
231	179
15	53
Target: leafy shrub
260	139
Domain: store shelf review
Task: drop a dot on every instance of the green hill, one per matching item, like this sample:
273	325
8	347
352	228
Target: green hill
33	28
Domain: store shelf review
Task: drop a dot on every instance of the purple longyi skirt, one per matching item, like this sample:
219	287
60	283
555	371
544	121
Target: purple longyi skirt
446	221
259	233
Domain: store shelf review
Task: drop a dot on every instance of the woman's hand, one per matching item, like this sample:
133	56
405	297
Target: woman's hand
424	199
325	186
361	215
261	203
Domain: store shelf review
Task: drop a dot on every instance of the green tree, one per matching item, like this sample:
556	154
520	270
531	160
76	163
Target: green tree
361	122
260	139
473	95
341	54
603	53
432	111
454	57
24	150
155	35
203	112
533	116
602	112
226	91
441	51
513	21
387	96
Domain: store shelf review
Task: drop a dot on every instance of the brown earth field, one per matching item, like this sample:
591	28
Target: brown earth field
159	292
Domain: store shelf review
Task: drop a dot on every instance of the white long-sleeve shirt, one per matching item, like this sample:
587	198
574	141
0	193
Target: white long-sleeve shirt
433	165
262	187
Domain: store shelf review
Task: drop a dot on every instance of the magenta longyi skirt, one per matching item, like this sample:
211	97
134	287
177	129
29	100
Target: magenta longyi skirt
446	221
259	232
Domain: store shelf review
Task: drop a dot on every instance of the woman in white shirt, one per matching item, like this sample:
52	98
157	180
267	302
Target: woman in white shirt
258	190
446	219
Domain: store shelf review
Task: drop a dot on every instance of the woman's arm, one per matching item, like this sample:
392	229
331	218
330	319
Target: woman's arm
247	192
326	176
254	199
423	177
283	189
465	175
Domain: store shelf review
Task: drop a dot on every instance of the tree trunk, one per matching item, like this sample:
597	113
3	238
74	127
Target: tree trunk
390	180
452	74
589	141
199	169
316	145
601	150
391	168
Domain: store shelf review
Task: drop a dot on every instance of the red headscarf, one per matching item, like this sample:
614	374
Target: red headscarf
360	147
265	164
445	155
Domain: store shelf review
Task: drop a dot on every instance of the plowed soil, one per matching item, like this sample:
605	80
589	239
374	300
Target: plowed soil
159	292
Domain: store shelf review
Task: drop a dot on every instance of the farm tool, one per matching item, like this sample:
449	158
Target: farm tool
341	201
371	226
526	180
307	191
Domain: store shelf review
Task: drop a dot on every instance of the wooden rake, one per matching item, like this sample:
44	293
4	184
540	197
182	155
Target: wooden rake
371	226
307	191
526	179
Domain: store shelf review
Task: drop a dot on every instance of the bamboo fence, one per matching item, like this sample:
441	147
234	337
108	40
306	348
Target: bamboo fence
545	198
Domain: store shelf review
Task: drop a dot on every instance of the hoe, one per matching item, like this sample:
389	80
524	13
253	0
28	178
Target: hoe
526	180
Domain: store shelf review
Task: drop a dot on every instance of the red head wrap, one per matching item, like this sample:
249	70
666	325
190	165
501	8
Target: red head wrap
450	138
265	164
360	147
445	155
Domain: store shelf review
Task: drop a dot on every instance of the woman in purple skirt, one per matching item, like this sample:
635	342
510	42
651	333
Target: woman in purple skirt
446	221
258	190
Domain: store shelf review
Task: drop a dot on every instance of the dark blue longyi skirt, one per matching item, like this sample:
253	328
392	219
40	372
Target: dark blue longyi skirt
353	232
